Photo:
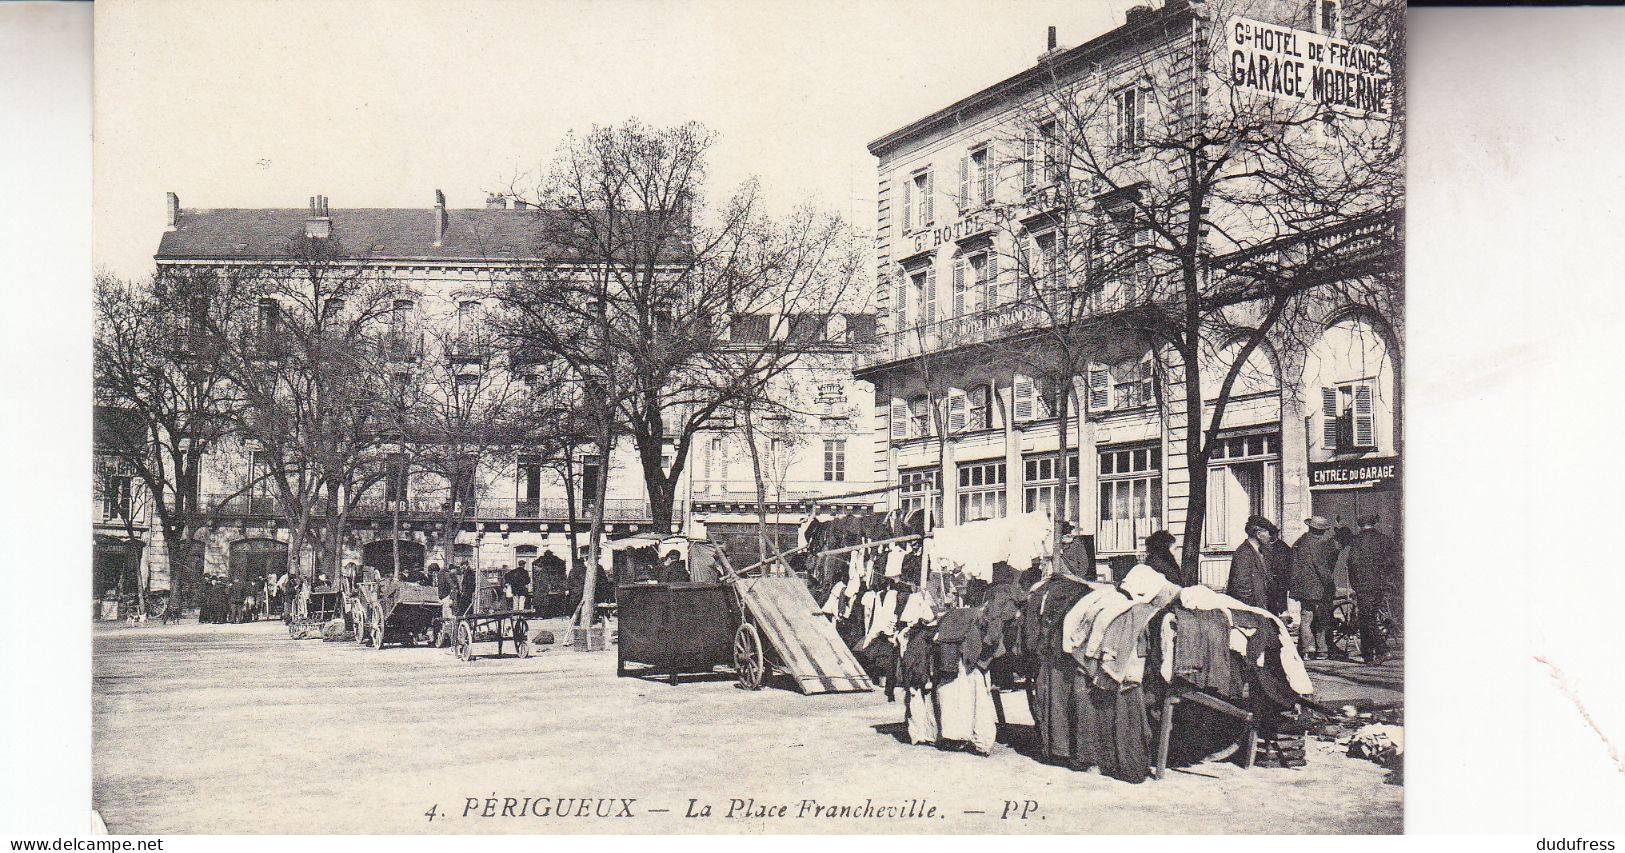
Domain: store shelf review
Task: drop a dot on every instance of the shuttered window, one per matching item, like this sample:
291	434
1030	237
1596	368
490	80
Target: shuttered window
1023	395
929	295
899	419
989	278
1328	418
1364	433
1100	388
919	417
956	411
908	206
981	408
959	287
900	304
1029	165
1130	117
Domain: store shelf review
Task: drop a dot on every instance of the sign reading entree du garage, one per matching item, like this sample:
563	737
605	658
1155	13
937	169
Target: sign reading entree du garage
1304	66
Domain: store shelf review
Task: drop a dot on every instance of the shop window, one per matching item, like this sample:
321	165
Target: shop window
1042	476
981	490
1130	484
921	489
1244	479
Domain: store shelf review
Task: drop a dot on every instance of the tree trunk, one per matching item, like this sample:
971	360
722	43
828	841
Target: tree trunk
662	495
587	615
761	490
1062	401
571	521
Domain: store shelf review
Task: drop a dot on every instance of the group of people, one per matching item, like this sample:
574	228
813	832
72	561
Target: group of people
1299	581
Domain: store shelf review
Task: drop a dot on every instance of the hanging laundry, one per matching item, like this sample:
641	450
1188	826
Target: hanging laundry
894	561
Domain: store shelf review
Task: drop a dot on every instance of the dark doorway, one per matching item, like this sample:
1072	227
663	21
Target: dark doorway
380	555
252	560
117	565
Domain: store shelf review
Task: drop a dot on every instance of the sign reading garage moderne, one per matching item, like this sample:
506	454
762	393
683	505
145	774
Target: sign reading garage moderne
1379	473
1299	65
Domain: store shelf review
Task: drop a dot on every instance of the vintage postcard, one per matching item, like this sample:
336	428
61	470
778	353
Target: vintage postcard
715	417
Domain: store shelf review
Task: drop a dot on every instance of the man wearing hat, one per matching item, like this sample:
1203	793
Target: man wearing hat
1250	580
1313	585
1374	572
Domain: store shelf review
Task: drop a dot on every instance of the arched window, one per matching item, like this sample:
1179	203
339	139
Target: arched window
1257	376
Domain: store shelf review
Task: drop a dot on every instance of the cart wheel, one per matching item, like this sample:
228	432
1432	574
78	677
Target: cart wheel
521	638
1344	633
378	633
464	644
748	657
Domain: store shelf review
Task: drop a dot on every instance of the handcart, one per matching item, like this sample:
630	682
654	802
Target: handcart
396	611
490	617
324	604
772	620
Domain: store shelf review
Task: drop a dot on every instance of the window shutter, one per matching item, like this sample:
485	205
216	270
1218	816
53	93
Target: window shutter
964	184
930	200
900	308
930	295
1364	422
1028	161
990	287
1025	273
908	205
959	287
1139	114
899	419
1328	418
956	411
986	177
1021	393
1100	388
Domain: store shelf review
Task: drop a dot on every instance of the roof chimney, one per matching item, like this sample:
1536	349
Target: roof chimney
318	225
1054	47
521	204
1051	39
439	217
496	202
174	202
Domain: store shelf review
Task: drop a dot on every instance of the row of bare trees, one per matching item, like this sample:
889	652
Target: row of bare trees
631	331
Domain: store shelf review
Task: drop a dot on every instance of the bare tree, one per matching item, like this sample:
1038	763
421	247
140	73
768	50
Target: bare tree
1169	202
153	359
660	276
301	361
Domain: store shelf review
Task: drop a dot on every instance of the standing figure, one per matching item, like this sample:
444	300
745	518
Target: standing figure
1250	581
1313	585
518	582
1374	572
1159	555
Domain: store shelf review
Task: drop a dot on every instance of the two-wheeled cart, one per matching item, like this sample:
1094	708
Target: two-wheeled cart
490	618
396	611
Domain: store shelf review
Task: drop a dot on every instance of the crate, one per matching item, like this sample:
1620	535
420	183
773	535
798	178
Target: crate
594	639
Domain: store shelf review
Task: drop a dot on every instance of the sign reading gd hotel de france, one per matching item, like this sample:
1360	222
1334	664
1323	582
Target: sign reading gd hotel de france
1302	66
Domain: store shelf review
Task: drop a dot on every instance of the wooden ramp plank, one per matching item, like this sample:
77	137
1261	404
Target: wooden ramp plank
805	642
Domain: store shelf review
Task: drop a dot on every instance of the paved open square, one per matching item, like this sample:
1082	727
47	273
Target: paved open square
238	729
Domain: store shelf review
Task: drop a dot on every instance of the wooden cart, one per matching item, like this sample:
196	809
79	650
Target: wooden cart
324	605
396	611
758	619
490	618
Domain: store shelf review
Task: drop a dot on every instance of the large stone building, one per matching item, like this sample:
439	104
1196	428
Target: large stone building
968	430
444	268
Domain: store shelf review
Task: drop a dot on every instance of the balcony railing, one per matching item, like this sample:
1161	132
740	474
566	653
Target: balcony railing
1013	318
618	510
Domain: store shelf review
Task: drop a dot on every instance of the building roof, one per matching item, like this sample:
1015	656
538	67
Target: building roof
380	233
1062	62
